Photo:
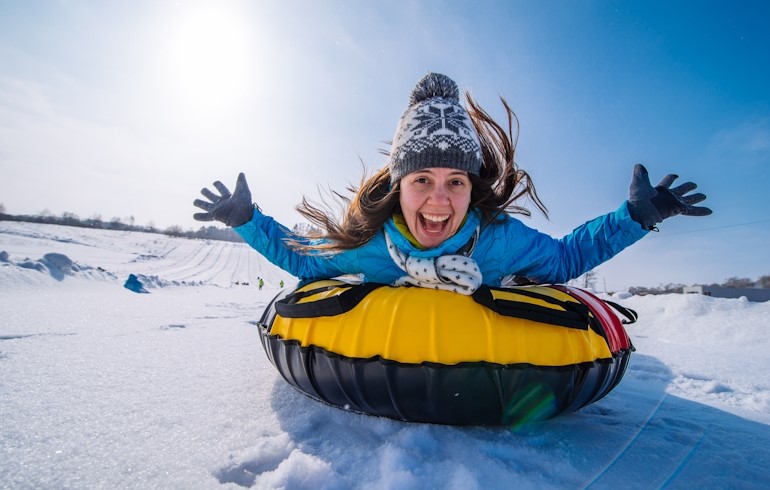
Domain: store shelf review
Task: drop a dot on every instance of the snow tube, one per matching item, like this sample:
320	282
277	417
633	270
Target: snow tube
503	356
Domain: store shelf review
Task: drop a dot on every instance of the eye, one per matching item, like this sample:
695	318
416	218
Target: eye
420	180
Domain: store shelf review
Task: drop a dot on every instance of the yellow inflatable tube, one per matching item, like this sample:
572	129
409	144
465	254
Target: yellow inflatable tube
500	356
414	325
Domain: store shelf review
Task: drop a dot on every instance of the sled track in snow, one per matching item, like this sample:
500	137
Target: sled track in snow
193	265
207	262
221	263
210	266
236	268
168	265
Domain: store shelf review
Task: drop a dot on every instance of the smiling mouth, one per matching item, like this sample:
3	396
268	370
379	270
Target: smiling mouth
434	224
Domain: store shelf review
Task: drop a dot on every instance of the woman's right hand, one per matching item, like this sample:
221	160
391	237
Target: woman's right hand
233	209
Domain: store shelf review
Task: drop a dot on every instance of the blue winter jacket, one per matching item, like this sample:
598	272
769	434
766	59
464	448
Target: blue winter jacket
506	247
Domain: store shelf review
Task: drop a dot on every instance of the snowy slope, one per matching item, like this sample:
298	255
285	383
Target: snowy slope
115	254
103	388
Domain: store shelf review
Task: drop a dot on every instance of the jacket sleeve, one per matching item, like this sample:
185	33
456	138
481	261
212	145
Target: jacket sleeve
544	259
269	238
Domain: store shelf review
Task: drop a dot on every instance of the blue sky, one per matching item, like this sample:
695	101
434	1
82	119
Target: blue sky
128	108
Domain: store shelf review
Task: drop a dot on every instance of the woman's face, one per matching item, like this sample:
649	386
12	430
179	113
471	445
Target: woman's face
434	202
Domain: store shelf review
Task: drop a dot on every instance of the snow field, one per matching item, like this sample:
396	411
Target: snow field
104	388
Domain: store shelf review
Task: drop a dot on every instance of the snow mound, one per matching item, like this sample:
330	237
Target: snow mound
54	265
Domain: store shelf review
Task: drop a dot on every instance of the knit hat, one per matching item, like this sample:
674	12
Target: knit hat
435	131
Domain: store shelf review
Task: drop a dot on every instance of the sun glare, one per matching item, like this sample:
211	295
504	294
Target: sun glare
210	58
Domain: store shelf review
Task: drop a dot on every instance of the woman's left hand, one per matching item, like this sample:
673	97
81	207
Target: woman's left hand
649	205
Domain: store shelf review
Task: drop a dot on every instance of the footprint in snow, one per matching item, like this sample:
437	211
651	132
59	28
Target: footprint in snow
244	467
276	462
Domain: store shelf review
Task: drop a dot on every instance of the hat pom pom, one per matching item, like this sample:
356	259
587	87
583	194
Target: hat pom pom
434	85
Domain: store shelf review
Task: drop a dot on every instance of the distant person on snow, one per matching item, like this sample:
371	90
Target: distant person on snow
439	214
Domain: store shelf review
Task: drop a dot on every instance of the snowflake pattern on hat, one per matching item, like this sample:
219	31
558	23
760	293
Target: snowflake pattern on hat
442	117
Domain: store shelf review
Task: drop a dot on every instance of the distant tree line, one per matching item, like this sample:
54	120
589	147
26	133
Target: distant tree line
96	222
589	280
733	282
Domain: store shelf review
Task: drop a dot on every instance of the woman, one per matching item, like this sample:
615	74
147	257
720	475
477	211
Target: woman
439	214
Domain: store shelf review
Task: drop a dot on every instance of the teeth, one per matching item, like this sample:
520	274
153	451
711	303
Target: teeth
435	217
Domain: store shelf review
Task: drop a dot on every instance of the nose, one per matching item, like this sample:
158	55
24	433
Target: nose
438	195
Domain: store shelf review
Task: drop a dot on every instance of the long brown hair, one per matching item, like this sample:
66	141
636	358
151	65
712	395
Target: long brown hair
500	182
494	191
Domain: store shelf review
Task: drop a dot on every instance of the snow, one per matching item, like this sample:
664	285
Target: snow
101	387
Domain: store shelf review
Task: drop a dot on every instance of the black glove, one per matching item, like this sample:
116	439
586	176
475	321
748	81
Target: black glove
231	209
649	206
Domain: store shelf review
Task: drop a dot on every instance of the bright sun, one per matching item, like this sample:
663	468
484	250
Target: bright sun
210	58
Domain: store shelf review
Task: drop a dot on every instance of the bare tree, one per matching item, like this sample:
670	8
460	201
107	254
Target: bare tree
738	282
174	230
305	229
764	282
69	219
589	279
585	281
